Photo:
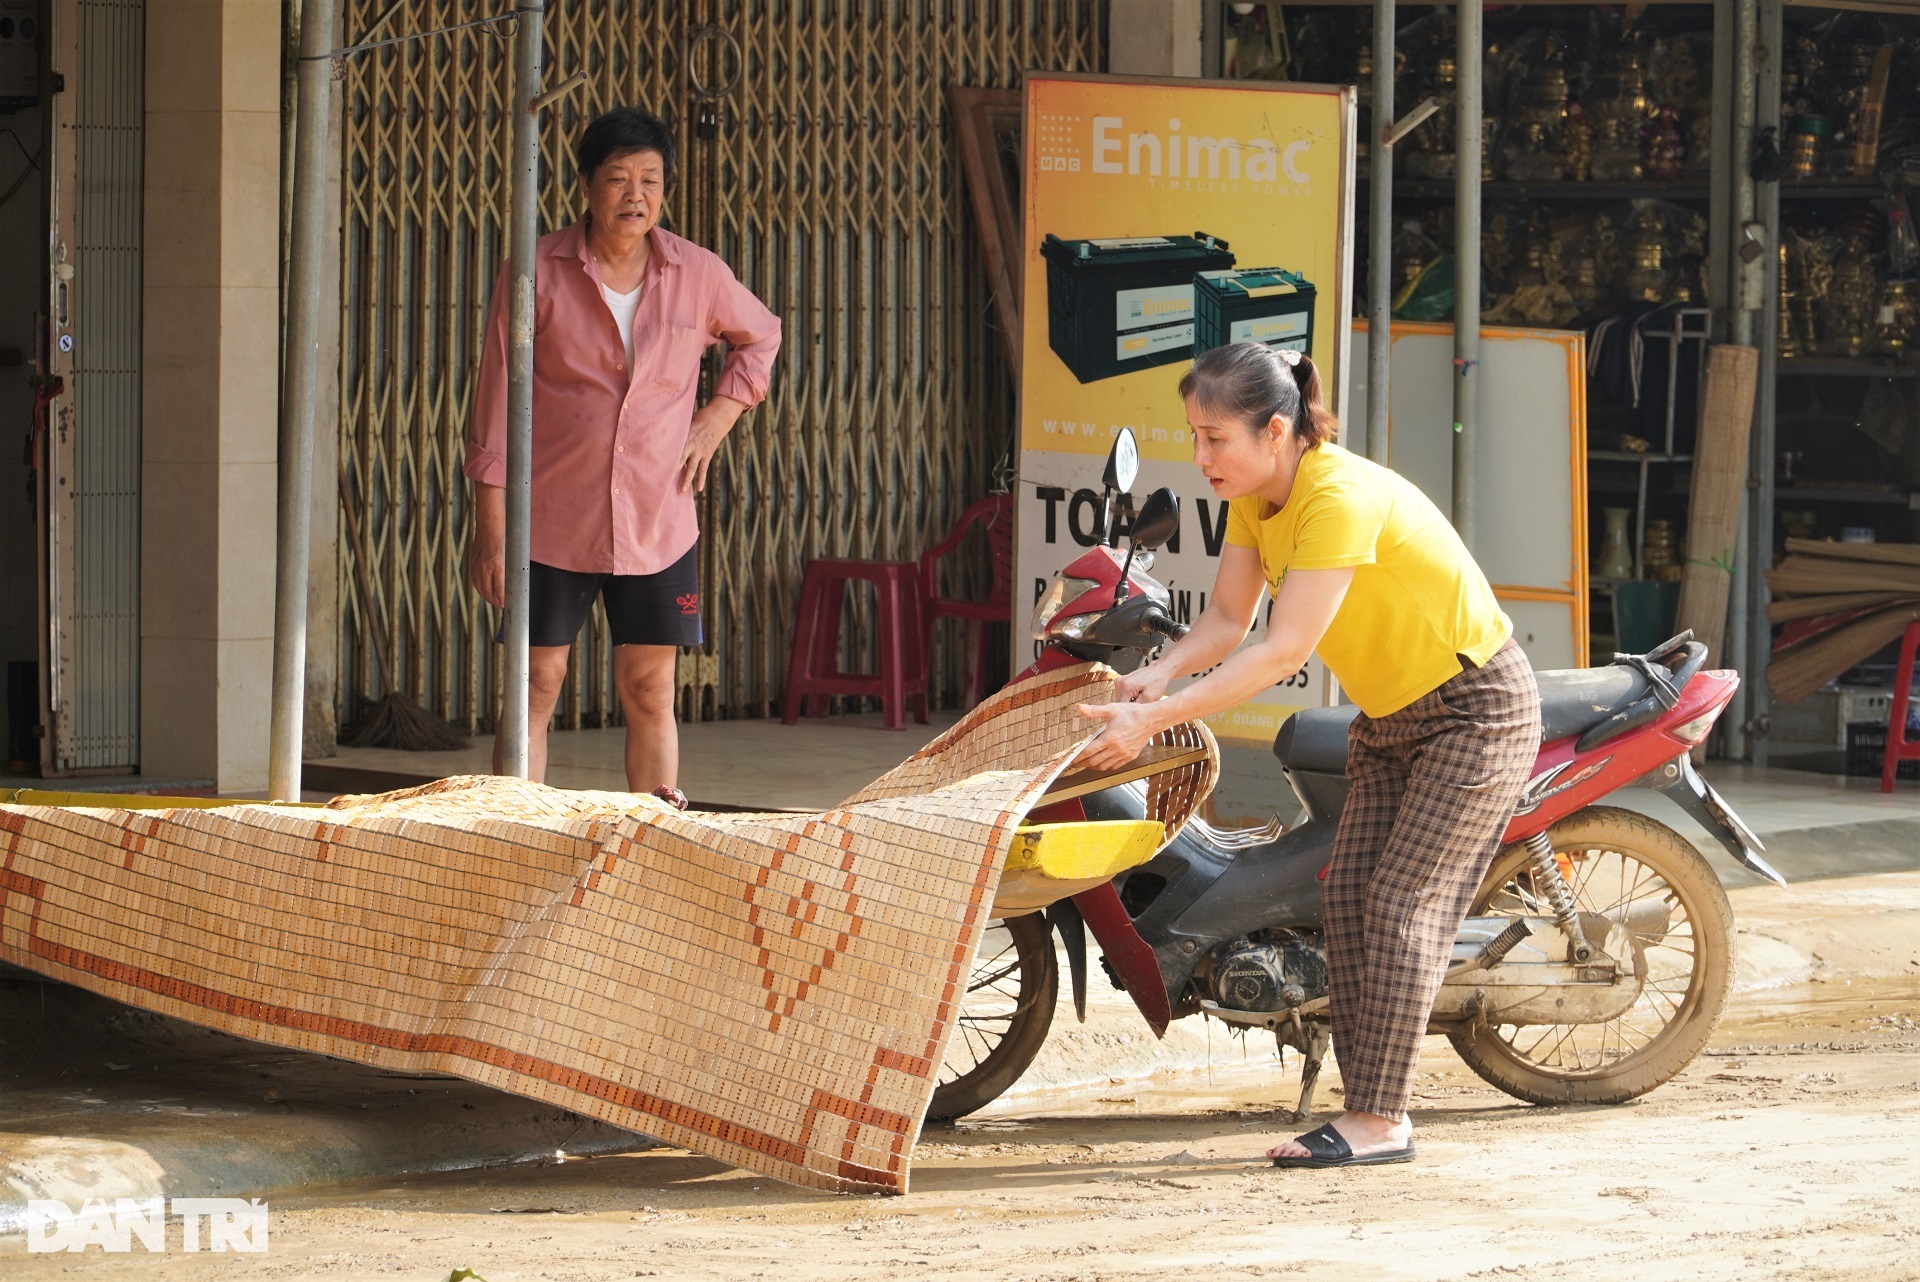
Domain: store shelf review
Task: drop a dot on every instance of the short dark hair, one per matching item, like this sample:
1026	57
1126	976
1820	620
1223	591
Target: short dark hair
1252	382
621	132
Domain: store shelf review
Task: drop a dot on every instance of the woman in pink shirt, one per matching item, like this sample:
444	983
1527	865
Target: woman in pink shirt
623	311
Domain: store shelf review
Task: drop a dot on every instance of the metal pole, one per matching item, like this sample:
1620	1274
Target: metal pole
306	261
1745	102
1760	465
1466	261
1380	236
523	216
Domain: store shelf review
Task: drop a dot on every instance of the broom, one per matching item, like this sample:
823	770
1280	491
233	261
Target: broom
394	720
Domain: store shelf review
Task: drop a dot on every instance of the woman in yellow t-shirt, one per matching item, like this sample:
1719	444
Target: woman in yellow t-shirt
1363	568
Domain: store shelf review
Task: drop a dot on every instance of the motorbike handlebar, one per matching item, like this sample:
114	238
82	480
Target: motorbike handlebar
1167	627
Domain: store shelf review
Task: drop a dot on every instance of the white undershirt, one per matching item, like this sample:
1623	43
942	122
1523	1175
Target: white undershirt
623	307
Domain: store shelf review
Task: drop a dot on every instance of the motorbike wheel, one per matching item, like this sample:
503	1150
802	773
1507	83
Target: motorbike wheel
1628	867
1003	1019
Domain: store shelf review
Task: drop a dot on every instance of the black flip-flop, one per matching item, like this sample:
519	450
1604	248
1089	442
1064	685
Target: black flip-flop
1327	1147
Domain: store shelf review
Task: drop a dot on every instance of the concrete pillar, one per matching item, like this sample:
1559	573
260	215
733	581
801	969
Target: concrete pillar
322	721
1154	37
211	333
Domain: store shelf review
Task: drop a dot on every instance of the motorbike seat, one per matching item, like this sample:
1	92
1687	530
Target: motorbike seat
1571	703
1315	740
1574	701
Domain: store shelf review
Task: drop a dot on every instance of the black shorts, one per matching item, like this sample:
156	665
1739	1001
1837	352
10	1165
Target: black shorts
642	609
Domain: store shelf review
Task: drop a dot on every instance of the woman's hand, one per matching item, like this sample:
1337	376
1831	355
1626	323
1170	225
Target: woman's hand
487	568
487	558
711	423
1145	684
1127	729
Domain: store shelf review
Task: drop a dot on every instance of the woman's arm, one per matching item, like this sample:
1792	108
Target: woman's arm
753	337
1302	612
1237	588
486	461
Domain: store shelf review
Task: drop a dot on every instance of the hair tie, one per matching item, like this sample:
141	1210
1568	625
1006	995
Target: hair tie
1291	357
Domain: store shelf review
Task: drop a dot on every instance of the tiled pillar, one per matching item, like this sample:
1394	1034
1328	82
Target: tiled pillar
210	390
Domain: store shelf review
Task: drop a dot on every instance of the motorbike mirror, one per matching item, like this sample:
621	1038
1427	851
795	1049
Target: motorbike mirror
1159	520
1123	462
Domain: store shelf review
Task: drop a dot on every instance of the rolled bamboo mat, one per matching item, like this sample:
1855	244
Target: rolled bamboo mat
1822	576
1719	479
1812	607
1795	673
1883	553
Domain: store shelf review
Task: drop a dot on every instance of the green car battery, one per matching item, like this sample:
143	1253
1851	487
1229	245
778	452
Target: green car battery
1253	305
1126	304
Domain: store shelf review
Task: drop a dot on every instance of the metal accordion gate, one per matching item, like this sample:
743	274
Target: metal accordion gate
817	159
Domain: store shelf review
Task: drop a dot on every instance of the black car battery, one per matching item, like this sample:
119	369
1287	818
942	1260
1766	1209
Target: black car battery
1116	306
1253	305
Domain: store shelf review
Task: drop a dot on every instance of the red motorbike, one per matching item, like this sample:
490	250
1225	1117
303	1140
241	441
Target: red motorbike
1597	956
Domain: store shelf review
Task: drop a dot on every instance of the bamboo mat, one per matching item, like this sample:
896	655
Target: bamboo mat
1719	481
1843	603
776	991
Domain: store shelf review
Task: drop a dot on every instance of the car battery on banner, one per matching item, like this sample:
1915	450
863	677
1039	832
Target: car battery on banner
1115	306
1267	305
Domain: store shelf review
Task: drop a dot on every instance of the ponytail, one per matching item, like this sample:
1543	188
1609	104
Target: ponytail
1252	382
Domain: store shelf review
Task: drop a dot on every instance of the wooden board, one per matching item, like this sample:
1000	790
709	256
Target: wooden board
1153	759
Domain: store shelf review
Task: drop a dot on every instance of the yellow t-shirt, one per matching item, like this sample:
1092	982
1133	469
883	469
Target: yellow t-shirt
1417	600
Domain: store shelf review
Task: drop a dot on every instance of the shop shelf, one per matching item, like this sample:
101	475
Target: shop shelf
1822	494
1561	189
1846	367
1628	456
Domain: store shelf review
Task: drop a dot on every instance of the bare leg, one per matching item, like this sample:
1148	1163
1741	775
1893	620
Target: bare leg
546	671
645	676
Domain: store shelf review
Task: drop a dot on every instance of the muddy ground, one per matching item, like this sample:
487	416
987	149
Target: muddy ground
1791	1150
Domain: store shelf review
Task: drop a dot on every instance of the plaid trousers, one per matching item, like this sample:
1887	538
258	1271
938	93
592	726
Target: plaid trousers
1432	788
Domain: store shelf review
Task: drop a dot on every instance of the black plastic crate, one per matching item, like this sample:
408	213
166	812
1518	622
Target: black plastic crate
1867	752
1269	305
1119	305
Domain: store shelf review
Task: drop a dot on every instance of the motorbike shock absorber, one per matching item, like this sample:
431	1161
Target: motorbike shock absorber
1548	879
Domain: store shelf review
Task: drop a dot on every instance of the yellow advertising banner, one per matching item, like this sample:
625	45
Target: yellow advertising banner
1163	218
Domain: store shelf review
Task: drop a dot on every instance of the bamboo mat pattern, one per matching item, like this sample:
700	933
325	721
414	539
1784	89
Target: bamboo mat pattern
776	991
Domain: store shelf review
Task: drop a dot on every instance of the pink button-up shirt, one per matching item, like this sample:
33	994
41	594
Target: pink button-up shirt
607	441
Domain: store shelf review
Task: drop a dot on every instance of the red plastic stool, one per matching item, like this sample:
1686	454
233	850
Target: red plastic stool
1899	747
813	671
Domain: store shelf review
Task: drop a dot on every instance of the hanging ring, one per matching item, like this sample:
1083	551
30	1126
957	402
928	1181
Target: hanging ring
701	37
